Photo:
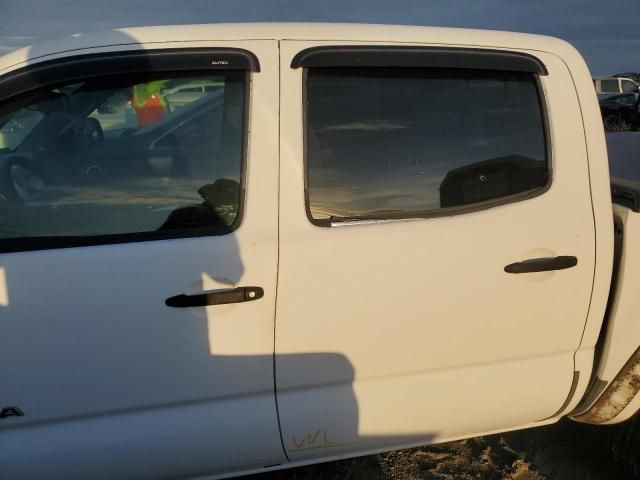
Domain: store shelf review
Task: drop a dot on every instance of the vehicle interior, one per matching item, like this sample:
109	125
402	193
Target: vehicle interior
123	155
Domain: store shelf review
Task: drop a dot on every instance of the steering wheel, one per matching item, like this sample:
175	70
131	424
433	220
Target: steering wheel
22	179
88	133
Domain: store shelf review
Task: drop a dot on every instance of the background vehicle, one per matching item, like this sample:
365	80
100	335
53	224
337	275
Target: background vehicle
620	112
180	95
635	76
615	85
117	101
349	247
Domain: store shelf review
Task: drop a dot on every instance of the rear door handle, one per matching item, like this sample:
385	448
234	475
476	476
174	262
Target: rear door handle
542	264
237	295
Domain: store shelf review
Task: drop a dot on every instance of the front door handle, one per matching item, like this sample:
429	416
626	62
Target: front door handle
237	295
542	264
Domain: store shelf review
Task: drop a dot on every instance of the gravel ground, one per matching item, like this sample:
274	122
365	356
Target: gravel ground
565	451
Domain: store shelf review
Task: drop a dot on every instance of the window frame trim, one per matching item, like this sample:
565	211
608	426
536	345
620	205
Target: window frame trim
431	213
188	65
418	56
90	65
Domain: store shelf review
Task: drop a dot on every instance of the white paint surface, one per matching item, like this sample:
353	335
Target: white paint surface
115	384
431	337
4	290
387	334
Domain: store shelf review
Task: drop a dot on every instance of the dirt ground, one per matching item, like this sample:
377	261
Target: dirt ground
565	451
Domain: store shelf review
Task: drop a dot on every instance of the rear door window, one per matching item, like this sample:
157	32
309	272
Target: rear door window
629	86
609	85
410	142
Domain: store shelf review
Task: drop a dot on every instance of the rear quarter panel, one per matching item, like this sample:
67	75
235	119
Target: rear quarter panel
616	380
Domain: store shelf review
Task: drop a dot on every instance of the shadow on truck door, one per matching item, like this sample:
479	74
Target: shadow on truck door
112	380
95	377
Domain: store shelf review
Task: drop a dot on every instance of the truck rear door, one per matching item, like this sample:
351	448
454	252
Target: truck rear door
436	242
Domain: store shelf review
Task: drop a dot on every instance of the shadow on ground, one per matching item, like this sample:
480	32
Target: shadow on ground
564	451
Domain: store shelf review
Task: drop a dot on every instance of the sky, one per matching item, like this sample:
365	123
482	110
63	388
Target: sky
606	32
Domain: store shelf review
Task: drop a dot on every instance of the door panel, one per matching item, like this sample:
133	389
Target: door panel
112	382
440	341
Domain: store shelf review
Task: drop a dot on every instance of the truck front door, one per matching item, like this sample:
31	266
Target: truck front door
138	262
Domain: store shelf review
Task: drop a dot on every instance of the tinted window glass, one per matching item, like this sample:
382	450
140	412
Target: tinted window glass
383	142
629	86
609	86
124	156
17	126
626	99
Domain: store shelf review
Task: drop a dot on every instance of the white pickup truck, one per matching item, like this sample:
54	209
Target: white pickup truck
365	238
